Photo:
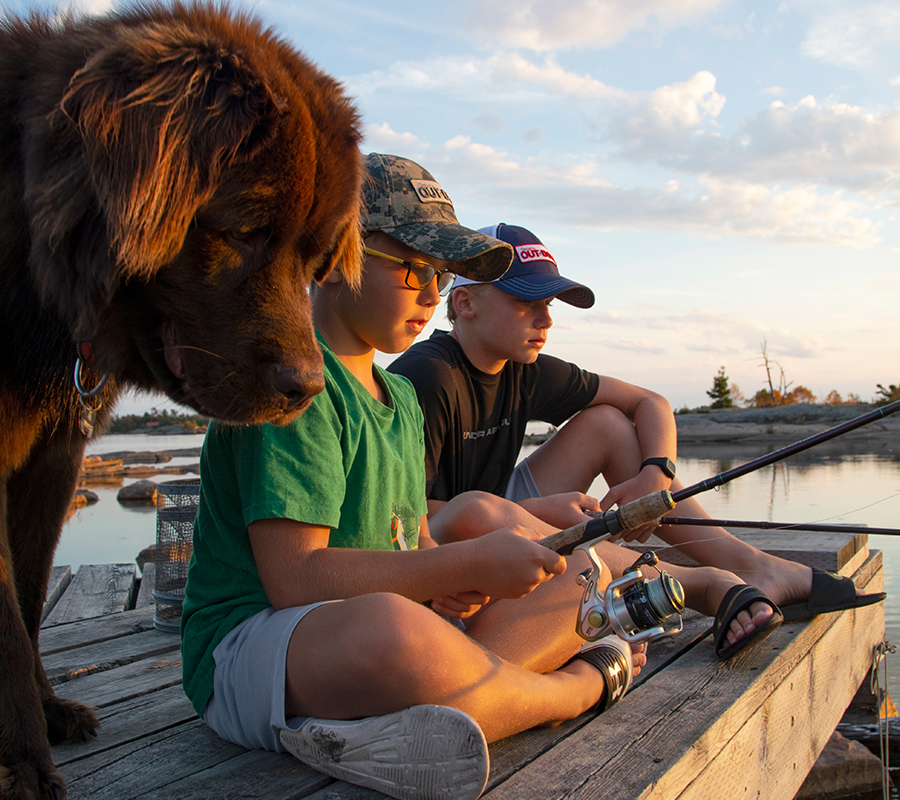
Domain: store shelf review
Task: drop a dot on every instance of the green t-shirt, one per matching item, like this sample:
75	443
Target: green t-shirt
348	462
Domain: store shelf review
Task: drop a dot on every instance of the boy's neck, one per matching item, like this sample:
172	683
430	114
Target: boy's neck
357	358
476	352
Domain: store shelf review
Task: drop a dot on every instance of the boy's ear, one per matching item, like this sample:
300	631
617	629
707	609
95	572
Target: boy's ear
463	302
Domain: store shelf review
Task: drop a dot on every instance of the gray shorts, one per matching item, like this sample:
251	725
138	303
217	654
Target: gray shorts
247	706
521	485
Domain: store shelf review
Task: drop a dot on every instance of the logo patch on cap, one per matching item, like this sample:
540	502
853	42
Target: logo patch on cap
430	192
533	252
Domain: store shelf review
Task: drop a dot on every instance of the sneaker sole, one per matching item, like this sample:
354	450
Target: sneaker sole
420	753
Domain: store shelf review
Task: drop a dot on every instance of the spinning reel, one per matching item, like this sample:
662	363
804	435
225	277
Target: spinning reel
633	607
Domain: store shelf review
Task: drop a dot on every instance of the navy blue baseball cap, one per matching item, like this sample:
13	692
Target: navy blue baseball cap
533	274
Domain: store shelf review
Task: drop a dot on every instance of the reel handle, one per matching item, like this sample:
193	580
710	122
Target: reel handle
630	516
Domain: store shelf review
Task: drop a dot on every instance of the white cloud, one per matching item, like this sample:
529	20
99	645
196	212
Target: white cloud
500	75
571	193
558	24
856	35
381	138
823	143
687	104
773	90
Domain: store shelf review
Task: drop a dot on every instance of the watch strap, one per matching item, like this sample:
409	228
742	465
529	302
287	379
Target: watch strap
665	464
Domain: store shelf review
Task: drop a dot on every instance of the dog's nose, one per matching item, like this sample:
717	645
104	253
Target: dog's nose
298	386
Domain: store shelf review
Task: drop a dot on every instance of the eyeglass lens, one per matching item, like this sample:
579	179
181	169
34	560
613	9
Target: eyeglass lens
421	274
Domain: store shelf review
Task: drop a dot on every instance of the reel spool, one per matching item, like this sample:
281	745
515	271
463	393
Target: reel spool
634	607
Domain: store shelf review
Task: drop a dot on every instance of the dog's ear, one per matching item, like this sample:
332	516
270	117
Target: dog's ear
160	114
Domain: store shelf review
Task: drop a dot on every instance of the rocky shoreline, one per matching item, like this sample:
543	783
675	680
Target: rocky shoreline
785	424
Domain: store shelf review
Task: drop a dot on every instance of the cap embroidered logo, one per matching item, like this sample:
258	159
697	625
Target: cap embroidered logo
531	252
430	192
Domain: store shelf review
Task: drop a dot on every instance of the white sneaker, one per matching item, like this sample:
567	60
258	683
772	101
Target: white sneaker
420	753
612	657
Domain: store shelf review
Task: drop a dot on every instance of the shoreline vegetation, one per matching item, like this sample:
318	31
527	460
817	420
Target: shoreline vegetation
775	425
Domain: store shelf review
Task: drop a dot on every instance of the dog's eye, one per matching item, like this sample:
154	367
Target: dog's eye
248	239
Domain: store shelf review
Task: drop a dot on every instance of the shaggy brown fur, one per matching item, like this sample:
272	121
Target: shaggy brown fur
171	180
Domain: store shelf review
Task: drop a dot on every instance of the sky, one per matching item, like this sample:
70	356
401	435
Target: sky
724	175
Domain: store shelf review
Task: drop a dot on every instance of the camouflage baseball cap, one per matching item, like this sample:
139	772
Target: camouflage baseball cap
405	202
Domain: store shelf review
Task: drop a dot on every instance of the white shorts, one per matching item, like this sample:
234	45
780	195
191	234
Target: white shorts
521	484
247	706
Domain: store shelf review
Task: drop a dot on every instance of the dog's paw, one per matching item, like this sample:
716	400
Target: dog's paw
69	721
26	781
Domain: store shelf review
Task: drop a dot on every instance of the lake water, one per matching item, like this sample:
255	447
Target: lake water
834	483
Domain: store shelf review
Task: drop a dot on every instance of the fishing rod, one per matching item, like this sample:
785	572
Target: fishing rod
654	506
639	609
784	526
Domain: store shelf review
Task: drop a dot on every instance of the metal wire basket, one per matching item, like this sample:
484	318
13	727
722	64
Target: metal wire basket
176	509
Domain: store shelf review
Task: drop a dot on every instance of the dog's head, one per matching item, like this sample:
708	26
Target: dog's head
204	173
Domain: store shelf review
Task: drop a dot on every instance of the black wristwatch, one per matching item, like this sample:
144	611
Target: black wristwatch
665	464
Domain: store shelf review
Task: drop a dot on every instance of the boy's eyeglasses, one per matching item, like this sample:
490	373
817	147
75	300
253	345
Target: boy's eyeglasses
419	273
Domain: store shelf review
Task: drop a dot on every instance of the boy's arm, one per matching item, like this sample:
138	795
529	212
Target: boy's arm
657	436
650	412
297	566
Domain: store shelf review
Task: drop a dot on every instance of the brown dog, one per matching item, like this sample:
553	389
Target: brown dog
172	179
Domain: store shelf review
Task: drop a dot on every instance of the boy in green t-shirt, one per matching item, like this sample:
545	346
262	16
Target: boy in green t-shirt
305	626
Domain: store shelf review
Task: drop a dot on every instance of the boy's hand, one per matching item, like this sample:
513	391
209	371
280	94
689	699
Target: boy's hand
646	482
459	606
510	564
561	510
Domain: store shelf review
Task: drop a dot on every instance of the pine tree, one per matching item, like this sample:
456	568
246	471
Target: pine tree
720	392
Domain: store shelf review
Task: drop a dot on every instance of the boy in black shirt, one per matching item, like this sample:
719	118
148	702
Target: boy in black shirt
480	384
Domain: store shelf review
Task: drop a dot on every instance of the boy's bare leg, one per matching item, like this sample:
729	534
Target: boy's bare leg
380	653
601	438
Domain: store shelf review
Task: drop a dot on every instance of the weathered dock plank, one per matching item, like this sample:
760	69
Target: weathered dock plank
60	578
148	580
94	630
121	684
96	589
77	662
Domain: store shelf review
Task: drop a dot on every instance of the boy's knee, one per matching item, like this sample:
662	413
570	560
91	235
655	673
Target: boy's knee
468	516
606	423
392	634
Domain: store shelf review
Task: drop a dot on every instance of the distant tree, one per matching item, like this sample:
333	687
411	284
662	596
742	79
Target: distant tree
887	395
720	393
764	399
833	398
853	399
799	395
777	392
737	396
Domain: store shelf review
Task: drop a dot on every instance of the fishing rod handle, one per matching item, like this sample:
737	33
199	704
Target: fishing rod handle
630	516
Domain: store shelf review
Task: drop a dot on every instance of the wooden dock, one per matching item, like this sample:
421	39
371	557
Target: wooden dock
692	726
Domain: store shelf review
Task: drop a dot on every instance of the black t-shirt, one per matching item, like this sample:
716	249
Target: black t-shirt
475	422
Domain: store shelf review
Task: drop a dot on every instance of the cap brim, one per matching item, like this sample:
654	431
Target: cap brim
474	255
541	285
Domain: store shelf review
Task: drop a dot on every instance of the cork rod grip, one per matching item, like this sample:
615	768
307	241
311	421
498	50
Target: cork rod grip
631	515
560	542
645	509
